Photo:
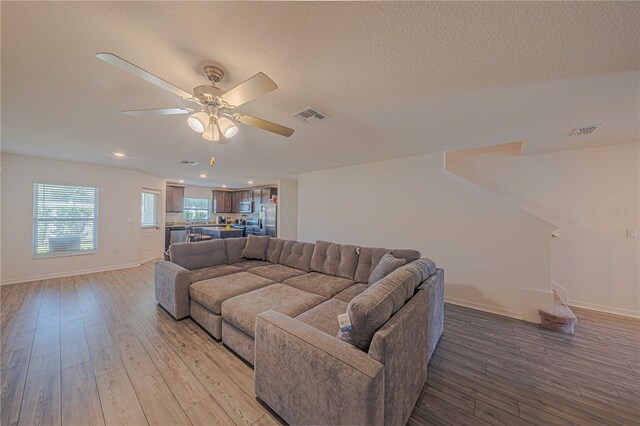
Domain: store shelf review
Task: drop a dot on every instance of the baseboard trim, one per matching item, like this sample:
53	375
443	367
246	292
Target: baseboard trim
603	308
67	274
482	307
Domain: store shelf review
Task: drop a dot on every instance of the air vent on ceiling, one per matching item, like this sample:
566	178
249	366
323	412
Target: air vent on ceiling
586	130
189	162
310	115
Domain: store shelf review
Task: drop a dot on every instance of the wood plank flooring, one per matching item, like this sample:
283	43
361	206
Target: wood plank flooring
96	349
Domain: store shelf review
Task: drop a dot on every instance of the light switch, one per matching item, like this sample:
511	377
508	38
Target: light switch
632	233
129	220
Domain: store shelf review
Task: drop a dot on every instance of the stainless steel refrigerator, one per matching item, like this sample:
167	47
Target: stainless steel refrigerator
268	220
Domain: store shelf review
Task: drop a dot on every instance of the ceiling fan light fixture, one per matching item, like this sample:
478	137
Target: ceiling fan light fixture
198	121
212	133
227	127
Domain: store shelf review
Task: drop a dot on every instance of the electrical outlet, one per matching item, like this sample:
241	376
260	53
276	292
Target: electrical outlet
632	233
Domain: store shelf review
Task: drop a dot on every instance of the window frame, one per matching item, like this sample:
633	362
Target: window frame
155	193
35	220
184	209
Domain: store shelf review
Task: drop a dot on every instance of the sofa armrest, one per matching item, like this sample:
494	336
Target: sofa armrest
310	377
434	286
172	288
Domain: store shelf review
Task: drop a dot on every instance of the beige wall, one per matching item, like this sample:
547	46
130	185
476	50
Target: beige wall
120	240
489	249
288	209
593	196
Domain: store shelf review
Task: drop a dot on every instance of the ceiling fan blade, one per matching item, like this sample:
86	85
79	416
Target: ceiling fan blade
112	59
263	124
156	111
249	89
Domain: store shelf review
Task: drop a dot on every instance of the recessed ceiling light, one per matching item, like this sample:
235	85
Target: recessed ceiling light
224	186
203	175
118	154
250	182
180	181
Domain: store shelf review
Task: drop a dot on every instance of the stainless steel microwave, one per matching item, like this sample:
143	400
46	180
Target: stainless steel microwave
246	207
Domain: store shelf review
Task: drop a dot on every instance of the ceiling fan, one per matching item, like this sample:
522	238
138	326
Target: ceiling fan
214	119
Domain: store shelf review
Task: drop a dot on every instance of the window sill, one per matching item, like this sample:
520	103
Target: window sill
150	226
64	254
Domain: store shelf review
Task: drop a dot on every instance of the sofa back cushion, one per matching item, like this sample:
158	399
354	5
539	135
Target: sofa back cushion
256	247
274	249
234	247
387	265
335	259
296	254
372	308
199	255
370	257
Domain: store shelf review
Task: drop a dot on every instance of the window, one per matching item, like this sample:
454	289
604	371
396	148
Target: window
196	209
65	219
149	207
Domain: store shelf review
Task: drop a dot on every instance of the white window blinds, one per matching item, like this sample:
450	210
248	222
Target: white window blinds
196	209
65	219
149	205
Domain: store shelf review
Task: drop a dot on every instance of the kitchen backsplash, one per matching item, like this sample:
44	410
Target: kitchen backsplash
177	217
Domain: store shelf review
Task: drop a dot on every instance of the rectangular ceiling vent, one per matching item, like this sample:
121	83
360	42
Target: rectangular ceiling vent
586	130
310	115
189	162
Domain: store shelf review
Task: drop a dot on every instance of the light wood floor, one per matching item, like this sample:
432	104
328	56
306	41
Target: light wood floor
96	349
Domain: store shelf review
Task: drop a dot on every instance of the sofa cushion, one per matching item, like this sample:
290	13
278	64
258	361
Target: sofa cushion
256	247
385	266
370	256
351	292
324	317
211	293
296	254
213	272
248	264
278	273
241	311
372	308
234	247
334	259
198	255
274	249
321	284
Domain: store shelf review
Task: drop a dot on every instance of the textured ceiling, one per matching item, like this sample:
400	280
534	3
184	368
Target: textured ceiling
397	79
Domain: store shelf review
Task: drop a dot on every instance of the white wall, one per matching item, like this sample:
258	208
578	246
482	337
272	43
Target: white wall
288	209
489	249
120	242
593	196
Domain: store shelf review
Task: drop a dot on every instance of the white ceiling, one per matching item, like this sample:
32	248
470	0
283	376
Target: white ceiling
397	79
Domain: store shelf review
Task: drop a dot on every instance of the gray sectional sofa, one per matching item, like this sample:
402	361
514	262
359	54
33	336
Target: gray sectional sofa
276	304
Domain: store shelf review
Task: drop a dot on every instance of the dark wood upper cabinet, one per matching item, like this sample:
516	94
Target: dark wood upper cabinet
229	201
257	200
236	199
267	193
174	199
222	202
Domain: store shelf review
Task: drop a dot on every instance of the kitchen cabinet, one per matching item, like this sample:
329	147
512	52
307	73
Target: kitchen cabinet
257	200
267	193
174	199
236	198
222	202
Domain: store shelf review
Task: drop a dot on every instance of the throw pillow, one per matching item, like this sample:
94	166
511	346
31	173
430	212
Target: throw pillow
256	247
387	265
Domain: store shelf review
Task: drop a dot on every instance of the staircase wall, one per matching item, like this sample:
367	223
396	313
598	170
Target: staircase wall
591	195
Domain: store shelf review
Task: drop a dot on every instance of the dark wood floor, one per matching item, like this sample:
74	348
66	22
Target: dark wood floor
96	349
